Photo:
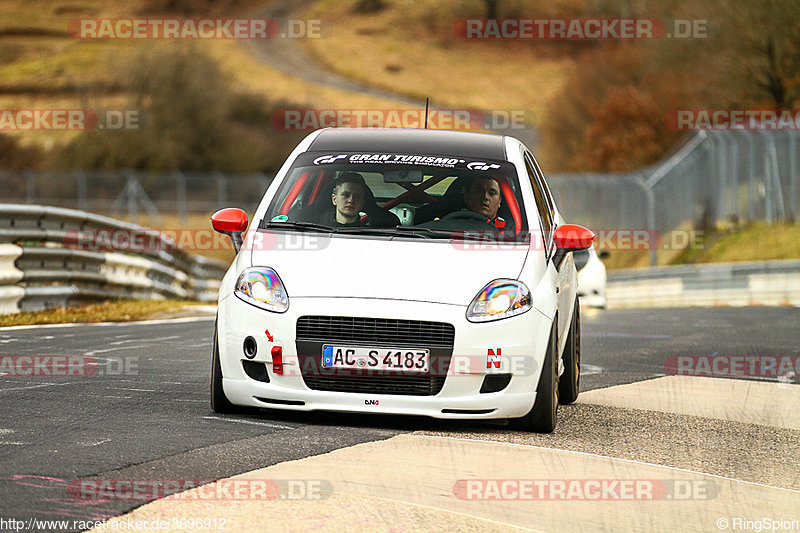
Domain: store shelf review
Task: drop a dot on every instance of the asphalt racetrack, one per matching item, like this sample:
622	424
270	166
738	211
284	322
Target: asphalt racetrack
714	449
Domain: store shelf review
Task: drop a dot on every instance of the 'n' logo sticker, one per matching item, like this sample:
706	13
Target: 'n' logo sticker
492	359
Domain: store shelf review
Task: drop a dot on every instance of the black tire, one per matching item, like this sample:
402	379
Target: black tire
219	402
569	385
543	415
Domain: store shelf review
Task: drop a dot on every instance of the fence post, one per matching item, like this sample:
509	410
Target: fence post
83	202
733	173
222	189
751	184
131	192
793	136
776	177
30	186
767	191
650	201
180	193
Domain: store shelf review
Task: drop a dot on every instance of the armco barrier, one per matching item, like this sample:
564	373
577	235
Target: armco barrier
713	284
40	270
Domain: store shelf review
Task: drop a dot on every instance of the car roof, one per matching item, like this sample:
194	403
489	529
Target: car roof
411	141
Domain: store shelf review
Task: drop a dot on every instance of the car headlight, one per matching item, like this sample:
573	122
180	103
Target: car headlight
501	298
261	287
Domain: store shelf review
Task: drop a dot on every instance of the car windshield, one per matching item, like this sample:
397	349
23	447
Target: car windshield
432	196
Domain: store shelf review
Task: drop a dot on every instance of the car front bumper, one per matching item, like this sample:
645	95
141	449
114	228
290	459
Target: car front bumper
519	345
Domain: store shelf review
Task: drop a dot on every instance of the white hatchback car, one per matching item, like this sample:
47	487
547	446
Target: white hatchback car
420	272
592	277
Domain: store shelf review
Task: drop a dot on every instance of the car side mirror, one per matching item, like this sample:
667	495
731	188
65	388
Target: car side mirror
581	259
231	222
571	238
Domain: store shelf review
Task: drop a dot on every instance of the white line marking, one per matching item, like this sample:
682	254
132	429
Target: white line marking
6	431
153	339
136	390
634	461
251	422
94	443
588	370
13	443
183	400
116	348
39	386
136	323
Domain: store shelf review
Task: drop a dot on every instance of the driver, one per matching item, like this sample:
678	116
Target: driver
483	197
481	203
349	195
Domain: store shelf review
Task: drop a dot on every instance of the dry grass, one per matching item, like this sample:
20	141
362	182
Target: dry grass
251	75
410	48
756	242
113	311
49	66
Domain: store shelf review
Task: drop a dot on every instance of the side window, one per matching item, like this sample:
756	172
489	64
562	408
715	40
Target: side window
545	215
545	186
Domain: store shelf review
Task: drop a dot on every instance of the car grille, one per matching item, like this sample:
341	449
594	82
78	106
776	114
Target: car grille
402	385
314	331
375	330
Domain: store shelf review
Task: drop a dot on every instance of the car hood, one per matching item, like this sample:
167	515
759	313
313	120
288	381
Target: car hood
399	269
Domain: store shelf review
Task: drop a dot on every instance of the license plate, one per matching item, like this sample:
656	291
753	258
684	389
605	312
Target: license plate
383	359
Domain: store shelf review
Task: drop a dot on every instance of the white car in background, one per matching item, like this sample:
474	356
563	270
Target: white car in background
417	305
592	277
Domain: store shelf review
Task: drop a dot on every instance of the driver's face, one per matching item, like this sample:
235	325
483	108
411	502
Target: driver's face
483	197
348	199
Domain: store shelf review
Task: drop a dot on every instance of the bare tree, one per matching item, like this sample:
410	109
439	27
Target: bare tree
765	37
491	8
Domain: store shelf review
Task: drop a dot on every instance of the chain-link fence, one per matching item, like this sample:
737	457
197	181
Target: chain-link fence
129	193
713	176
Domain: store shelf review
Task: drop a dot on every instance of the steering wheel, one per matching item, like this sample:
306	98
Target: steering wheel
466	214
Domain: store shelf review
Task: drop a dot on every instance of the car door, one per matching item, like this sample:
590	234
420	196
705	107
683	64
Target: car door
548	219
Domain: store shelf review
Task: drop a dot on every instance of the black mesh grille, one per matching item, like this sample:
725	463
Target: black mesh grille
404	385
314	331
375	330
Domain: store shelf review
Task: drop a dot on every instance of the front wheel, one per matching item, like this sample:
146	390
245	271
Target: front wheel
570	382
219	402
543	415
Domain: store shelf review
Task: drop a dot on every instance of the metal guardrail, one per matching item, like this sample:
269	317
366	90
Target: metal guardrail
42	265
714	284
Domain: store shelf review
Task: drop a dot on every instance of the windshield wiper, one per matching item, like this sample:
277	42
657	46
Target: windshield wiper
297	225
404	231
